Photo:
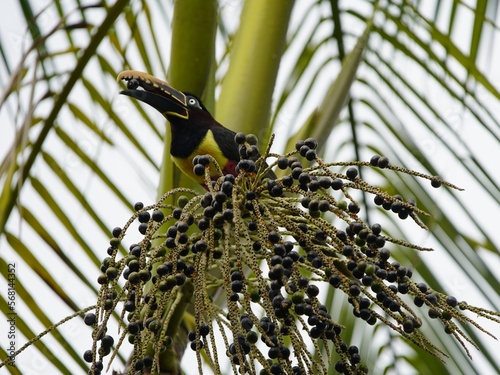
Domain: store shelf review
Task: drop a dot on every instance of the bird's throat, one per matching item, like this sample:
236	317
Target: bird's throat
186	140
184	149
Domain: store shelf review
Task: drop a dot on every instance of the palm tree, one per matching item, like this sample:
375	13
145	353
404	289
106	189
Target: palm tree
409	80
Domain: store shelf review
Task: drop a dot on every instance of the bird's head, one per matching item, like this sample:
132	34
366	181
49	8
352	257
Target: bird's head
176	106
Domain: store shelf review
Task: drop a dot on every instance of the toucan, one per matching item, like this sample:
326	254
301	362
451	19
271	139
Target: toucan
194	130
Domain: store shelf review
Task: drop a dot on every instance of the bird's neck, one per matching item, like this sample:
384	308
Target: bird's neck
186	138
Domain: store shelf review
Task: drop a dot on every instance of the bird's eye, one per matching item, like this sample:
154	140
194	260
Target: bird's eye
193	102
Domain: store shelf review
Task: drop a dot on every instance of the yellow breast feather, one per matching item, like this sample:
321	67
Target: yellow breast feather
208	146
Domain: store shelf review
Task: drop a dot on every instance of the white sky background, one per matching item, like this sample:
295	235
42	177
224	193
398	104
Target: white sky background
142	186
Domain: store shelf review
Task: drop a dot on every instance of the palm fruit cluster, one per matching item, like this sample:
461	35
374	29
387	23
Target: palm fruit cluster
238	272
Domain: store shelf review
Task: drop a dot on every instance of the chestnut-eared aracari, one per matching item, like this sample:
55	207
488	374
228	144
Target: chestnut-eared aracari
194	130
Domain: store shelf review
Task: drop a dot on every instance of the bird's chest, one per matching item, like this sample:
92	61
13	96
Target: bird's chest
206	146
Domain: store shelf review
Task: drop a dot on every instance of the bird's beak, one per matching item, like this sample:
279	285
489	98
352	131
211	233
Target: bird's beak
155	92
